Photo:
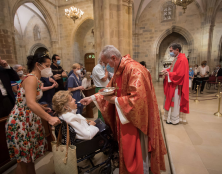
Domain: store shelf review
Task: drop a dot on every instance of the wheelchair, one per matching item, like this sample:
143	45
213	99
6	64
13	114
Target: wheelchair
87	149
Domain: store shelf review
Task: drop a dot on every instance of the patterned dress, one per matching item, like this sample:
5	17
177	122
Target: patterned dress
24	131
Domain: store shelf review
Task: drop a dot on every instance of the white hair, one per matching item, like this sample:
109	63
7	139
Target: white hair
15	68
109	51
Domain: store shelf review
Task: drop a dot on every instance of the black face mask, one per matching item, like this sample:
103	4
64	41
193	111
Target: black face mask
205	64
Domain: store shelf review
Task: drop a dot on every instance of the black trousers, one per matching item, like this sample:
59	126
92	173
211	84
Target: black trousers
194	85
201	81
6	106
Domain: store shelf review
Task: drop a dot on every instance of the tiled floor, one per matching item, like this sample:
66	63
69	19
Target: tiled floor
195	147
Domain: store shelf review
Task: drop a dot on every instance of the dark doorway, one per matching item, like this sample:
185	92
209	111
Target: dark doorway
41	50
89	61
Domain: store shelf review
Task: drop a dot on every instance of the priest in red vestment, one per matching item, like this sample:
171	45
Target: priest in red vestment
132	114
176	87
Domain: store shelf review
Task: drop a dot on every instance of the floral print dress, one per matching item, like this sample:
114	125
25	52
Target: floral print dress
24	131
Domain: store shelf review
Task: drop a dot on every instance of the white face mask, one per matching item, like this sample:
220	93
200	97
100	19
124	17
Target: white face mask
46	72
78	72
20	73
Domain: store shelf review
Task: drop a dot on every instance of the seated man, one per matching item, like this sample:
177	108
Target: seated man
65	106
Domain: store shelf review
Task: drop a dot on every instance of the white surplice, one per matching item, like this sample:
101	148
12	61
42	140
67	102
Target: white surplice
143	137
174	115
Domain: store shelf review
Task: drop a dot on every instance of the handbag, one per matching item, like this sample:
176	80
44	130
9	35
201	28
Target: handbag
64	156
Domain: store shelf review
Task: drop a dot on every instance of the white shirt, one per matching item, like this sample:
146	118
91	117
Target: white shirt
86	83
80	125
2	88
203	70
97	74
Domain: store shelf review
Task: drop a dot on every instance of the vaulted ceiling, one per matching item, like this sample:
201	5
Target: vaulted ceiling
23	15
140	5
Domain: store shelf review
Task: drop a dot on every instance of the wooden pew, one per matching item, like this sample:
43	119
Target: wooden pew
88	110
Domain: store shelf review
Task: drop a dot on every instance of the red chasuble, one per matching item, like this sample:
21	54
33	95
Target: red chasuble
180	78
137	100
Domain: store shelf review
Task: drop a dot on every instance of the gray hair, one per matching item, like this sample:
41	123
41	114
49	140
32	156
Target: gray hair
109	51
15	68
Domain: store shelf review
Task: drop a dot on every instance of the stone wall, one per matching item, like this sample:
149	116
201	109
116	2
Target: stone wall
216	55
68	29
151	30
7	39
29	35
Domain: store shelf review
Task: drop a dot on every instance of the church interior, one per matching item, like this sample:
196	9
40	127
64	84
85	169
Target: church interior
143	29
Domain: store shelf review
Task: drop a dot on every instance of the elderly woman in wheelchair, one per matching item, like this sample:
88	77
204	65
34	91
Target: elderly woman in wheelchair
89	137
66	108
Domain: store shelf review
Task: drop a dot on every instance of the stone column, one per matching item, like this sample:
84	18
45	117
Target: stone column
113	25
7	39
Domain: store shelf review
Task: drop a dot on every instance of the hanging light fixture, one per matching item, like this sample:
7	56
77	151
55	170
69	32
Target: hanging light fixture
73	13
183	3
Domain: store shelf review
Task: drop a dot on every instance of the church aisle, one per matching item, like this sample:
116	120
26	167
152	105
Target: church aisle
195	147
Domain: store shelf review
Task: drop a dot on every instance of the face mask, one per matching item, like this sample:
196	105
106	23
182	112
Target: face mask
78	72
172	54
46	72
190	68
58	62
110	69
91	76
20	73
81	69
73	110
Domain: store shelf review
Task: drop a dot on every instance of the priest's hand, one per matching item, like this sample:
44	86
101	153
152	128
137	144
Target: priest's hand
86	101
110	98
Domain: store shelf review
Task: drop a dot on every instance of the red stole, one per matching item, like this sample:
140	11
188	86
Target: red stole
130	140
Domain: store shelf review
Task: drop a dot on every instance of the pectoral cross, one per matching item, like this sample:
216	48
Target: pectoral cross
116	89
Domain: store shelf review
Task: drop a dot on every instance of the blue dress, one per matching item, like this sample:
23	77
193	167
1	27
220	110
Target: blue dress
47	95
191	73
74	82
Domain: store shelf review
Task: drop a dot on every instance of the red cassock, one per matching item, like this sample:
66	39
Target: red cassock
179	77
137	100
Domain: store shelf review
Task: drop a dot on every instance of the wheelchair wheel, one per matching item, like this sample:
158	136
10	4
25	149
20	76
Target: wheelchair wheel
107	169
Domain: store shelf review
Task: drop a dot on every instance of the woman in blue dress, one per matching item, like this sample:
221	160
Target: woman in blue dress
74	84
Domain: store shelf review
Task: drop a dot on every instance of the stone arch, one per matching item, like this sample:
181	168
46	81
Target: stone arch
179	30
35	47
76	28
75	32
175	29
45	13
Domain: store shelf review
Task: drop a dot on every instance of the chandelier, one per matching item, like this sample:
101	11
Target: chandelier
73	13
183	3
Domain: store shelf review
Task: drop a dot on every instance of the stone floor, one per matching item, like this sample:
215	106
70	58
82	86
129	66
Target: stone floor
194	148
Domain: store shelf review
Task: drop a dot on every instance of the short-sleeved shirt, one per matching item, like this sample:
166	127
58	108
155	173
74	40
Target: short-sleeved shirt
58	70
191	73
74	82
47	95
97	74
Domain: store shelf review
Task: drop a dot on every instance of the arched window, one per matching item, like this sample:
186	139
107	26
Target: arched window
168	12
37	33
